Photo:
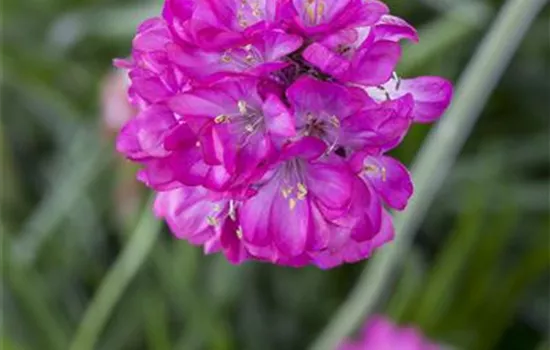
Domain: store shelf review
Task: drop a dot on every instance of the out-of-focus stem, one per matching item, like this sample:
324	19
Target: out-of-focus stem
434	161
114	284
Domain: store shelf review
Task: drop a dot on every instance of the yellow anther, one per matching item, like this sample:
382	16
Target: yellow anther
310	14
232	213
320	9
222	118
216	208
243	107
225	58
257	12
292	203
369	168
286	191
314	12
249	59
384	174
239	232
334	121
302	191
212	221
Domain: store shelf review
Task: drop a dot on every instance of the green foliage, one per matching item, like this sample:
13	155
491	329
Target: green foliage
78	272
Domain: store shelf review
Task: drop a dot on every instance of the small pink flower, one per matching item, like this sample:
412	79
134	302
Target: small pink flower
115	109
264	125
381	334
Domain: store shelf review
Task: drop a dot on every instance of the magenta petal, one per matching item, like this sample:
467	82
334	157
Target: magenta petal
383	126
180	9
393	28
326	60
276	44
321	232
291	234
217	178
144	135
316	12
330	184
201	103
188	166
254	216
305	148
375	64
432	96
391	179
386	233
233	247
277	117
366	207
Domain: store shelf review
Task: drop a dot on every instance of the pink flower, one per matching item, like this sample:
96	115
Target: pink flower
264	125
381	334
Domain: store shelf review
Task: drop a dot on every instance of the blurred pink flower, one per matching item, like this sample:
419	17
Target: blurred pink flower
115	108
381	334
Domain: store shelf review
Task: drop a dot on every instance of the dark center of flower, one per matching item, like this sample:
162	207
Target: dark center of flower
297	68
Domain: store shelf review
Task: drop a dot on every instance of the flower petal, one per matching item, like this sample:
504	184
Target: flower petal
390	178
374	64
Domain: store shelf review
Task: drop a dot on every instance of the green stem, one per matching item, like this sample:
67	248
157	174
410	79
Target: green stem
60	200
434	162
123	271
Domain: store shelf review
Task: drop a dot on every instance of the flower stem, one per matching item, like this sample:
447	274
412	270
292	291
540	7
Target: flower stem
120	275
434	161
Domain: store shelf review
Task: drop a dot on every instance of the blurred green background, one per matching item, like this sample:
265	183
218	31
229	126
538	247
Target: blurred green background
475	278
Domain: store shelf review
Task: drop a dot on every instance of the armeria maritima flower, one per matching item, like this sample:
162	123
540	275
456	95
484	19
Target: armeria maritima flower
264	125
381	334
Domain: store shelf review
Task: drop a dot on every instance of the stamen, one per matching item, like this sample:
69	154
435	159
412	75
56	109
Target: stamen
334	121
320	9
216	208
222	118
232	213
369	168
212	221
249	128
302	191
242	107
310	14
239	232
397	80
241	20
286	191
249	59
225	58
257	12
292	203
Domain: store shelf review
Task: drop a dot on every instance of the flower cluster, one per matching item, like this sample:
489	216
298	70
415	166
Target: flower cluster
264	125
381	334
